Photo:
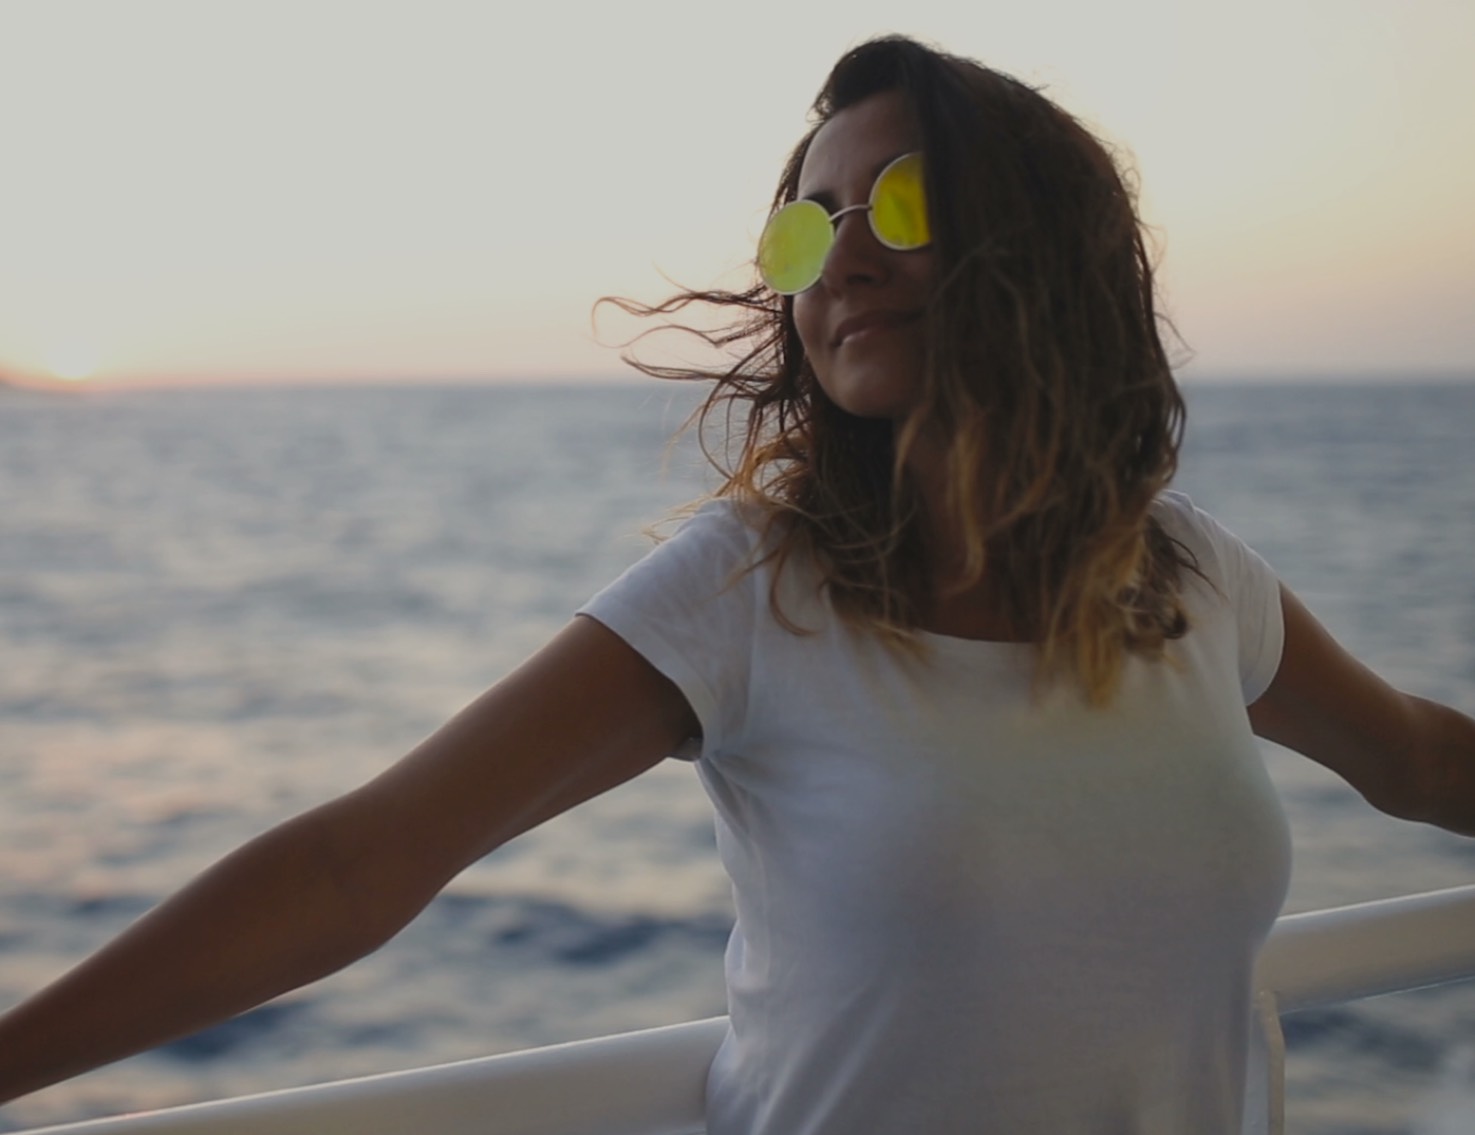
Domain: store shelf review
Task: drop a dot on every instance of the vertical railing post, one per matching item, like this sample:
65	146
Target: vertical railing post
1265	1082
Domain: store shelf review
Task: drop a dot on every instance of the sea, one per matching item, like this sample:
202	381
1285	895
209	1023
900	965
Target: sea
219	607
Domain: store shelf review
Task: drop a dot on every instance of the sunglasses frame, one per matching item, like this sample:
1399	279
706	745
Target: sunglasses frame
868	207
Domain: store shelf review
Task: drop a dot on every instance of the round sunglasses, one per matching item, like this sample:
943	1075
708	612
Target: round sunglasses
798	238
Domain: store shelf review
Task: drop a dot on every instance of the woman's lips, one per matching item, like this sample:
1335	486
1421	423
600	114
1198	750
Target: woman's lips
868	323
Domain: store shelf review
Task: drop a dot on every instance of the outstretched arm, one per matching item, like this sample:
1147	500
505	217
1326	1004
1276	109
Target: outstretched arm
321	890
1408	756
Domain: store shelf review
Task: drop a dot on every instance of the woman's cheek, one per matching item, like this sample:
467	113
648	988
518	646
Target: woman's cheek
809	323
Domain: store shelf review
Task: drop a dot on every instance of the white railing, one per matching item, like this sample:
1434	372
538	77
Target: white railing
652	1082
1328	956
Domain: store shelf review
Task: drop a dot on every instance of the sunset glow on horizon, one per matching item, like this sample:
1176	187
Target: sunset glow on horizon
323	190
72	366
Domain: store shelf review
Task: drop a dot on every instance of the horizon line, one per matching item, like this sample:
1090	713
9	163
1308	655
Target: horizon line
1218	377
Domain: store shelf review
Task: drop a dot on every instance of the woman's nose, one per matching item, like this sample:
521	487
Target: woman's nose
856	256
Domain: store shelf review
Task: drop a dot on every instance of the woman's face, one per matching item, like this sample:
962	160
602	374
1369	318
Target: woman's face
861	324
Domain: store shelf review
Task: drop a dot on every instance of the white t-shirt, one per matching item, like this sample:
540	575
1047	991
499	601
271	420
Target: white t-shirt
961	908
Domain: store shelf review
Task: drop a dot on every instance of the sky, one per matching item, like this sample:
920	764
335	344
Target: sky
320	190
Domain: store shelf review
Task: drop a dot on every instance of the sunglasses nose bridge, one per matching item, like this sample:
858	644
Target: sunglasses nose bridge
838	241
836	217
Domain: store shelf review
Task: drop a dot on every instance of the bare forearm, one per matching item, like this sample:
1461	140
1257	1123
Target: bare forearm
272	916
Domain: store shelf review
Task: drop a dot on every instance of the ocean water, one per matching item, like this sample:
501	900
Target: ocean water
218	607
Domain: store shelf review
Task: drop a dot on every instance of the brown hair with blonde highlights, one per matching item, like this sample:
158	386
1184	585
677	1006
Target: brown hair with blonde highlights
1045	377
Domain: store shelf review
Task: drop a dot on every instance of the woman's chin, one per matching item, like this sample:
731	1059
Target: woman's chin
873	396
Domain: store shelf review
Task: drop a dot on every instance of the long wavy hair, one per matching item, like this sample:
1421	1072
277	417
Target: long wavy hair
1045	376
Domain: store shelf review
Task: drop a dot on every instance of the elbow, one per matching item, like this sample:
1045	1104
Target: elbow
1439	787
1405	802
1403	793
363	876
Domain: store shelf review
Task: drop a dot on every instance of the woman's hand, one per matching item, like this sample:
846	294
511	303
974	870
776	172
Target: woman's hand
1409	757
321	890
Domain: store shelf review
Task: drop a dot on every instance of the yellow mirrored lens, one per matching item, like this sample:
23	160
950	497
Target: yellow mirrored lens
793	247
899	205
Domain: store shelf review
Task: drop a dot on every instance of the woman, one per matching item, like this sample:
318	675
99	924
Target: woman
967	687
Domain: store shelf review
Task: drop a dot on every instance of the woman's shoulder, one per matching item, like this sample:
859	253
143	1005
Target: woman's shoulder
726	515
714	526
1189	525
1175	510
738	525
1218	554
700	551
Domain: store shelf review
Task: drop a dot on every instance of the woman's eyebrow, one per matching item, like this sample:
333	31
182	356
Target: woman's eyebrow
822	197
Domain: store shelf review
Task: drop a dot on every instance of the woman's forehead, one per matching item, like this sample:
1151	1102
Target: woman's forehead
856	143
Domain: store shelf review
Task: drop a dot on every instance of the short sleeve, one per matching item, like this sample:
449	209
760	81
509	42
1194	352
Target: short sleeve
688	609
1244	579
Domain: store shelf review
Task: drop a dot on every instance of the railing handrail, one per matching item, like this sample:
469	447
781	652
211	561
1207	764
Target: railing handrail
652	1082
1346	953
